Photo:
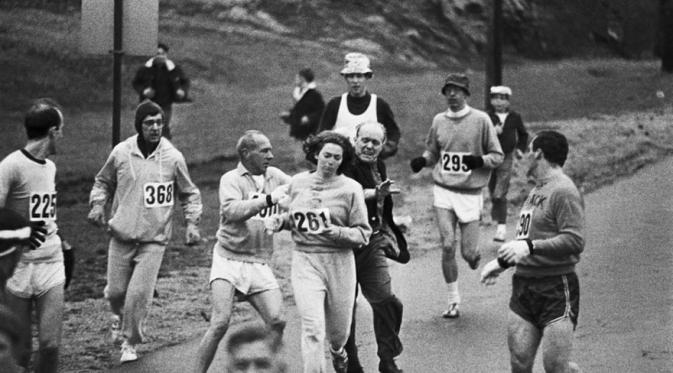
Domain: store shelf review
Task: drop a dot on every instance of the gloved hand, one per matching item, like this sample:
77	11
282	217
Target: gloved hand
97	215
514	251
418	163
68	261
192	235
473	161
38	233
491	272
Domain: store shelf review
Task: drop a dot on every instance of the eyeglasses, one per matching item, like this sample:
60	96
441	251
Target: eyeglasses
152	122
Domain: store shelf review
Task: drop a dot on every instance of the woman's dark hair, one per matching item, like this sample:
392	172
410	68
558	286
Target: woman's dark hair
313	145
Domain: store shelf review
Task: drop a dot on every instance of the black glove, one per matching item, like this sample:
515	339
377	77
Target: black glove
38	232
68	261
418	163
473	161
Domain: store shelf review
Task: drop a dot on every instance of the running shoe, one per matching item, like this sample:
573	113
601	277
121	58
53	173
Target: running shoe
452	312
340	360
128	353
115	329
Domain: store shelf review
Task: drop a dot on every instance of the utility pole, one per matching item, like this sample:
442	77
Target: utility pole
493	51
117	53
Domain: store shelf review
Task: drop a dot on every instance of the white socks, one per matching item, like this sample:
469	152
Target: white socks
454	296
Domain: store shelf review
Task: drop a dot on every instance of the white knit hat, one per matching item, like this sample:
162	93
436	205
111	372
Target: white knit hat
356	63
501	90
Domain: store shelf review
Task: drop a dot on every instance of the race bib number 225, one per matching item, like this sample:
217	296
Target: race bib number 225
42	206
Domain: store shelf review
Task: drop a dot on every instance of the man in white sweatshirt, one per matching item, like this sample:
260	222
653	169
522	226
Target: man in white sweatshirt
142	177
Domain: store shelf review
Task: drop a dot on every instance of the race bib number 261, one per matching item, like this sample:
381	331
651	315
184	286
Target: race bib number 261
42	206
158	194
313	221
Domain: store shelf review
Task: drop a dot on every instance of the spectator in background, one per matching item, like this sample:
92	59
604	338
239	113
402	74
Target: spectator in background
304	116
357	106
253	348
162	81
513	140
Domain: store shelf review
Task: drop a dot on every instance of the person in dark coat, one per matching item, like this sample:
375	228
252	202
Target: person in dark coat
162	81
386	241
513	139
304	116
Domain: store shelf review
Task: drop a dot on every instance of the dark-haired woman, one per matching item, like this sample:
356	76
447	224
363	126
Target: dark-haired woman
328	219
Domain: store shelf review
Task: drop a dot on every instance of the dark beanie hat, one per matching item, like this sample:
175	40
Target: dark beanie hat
144	109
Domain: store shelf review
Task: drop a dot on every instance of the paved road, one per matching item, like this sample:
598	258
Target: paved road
626	298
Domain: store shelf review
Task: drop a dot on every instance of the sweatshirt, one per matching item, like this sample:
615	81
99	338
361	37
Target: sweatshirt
27	186
552	217
453	135
243	206
143	191
316	203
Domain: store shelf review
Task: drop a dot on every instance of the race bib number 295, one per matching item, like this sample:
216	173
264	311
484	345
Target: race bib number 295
42	206
452	163
158	194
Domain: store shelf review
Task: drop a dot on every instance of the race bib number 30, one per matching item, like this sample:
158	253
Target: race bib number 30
523	226
452	163
312	221
158	194
42	206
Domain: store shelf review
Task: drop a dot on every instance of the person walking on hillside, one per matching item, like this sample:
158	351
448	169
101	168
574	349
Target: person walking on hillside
28	187
386	240
328	220
356	106
242	254
463	147
547	246
162	81
304	116
513	139
142	177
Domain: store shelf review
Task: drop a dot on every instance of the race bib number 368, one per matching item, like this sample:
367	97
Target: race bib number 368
42	206
313	221
452	163
158	194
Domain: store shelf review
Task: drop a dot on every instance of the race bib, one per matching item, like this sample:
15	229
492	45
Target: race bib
452	163
158	194
42	206
523	226
312	221
267	211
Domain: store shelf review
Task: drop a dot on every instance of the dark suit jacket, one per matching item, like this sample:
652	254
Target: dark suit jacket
311	104
514	134
362	173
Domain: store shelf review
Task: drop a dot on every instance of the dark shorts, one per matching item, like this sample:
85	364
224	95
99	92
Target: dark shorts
544	300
